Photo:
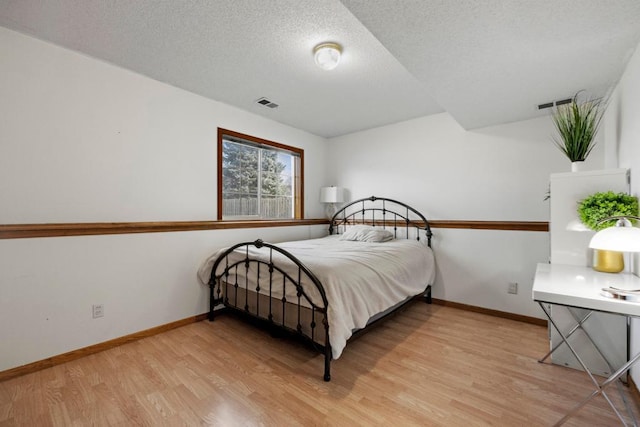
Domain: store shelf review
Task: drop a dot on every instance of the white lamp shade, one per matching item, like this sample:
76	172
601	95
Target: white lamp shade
620	239
331	195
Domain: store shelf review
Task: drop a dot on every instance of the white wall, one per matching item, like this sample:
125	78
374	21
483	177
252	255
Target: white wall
622	129
84	141
497	173
48	285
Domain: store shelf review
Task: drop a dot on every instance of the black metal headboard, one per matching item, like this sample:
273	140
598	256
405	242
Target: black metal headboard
383	212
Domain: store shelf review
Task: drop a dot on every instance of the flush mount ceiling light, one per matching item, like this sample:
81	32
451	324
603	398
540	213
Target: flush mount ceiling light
327	55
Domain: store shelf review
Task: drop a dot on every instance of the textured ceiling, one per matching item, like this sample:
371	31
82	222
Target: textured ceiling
493	61
484	61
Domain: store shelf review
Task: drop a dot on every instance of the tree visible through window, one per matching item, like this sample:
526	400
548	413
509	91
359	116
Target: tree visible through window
257	178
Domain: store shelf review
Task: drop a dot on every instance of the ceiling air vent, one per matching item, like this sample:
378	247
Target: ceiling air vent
564	101
556	103
266	103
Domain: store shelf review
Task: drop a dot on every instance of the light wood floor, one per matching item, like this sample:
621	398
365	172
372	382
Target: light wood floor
429	365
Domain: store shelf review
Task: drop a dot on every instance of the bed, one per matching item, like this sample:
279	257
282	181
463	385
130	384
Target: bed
376	258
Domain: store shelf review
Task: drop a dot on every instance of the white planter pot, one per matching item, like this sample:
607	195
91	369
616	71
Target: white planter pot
577	166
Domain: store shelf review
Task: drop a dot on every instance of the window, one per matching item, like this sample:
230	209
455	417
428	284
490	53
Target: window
258	179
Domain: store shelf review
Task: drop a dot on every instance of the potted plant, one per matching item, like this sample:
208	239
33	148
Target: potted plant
577	125
599	206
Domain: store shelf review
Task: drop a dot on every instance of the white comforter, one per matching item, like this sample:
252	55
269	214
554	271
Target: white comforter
360	279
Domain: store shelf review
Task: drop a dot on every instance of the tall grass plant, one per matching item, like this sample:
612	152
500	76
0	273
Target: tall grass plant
577	125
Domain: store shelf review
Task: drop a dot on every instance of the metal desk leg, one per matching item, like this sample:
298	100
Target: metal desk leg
575	328
611	369
593	343
578	325
599	389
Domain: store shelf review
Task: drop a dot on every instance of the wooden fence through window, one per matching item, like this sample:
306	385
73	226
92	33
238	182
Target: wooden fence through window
279	207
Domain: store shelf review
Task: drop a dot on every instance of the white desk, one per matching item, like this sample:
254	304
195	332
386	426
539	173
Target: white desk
577	286
580	287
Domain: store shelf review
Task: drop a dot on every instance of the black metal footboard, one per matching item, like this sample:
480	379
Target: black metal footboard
241	281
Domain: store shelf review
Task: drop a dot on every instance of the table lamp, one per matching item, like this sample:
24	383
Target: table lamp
623	237
331	196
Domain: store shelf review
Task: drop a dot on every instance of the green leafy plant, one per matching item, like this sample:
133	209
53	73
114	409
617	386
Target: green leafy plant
577	125
599	206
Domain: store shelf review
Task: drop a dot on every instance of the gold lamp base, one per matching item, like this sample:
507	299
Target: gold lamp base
608	261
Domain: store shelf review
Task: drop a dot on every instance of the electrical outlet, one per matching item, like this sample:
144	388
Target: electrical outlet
513	288
98	310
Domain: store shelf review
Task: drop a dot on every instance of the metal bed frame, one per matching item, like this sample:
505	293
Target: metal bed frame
244	299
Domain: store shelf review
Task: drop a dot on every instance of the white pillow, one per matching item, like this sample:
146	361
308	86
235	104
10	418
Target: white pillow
367	233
